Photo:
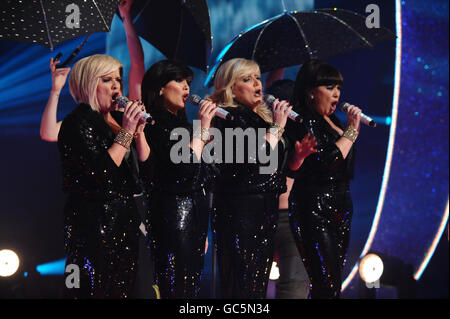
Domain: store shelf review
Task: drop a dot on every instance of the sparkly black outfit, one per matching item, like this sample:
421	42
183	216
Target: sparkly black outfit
321	207
101	217
179	210
245	212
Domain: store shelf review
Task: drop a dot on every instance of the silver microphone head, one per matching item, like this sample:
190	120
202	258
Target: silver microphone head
345	106
122	102
195	99
269	99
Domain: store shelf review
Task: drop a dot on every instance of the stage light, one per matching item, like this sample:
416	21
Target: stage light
9	262
274	272
56	267
379	270
371	268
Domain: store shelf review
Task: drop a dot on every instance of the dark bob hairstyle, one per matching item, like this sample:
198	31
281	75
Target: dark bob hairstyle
312	74
157	77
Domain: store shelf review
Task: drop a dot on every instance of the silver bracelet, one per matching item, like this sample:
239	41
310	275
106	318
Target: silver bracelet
202	134
350	133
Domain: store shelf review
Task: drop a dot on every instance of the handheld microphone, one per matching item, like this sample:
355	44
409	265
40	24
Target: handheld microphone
364	118
220	112
269	99
122	102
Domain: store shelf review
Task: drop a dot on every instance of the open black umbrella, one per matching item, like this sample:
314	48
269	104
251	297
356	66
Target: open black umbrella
292	38
180	29
50	22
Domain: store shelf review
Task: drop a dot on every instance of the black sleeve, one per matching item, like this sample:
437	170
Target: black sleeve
87	165
328	156
173	155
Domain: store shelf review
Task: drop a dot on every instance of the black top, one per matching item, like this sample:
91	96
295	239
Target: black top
174	172
88	169
327	166
101	219
244	175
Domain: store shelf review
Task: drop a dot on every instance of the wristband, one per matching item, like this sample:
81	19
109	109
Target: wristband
276	130
350	133
124	138
202	134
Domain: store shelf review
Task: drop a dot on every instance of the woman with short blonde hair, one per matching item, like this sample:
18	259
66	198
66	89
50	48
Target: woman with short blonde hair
100	149
227	75
86	74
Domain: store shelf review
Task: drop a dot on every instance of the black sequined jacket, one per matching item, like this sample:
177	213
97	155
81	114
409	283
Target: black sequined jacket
246	177
173	166
101	219
326	169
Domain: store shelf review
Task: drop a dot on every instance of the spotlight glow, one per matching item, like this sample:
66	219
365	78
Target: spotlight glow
371	268
274	272
390	151
9	263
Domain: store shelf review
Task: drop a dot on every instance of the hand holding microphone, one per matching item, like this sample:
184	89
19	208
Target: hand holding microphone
122	102
352	110
207	111
220	112
270	99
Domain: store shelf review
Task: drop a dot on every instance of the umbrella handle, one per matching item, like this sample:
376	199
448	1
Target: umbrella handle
57	57
74	54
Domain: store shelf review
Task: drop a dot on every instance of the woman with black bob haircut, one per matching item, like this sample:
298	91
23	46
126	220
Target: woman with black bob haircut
179	208
320	203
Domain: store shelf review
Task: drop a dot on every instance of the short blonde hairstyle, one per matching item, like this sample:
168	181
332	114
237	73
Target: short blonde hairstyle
83	80
225	78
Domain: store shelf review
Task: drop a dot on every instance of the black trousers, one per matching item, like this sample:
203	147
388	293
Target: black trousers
179	229
321	222
244	228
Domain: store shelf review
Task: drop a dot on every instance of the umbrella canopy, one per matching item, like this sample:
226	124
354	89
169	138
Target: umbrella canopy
180	29
49	22
292	38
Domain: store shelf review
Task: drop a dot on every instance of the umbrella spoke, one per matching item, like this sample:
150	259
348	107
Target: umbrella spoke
348	27
46	26
44	22
317	34
259	36
138	15
300	29
101	15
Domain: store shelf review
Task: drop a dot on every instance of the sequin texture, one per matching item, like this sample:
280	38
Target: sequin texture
321	207
100	215
179	206
245	216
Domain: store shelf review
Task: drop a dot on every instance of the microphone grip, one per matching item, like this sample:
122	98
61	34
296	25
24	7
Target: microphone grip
220	112
223	114
148	118
364	118
295	117
367	120
122	102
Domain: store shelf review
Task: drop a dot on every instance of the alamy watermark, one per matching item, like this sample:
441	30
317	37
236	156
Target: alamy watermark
371	285
373	19
73	278
257	149
73	19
